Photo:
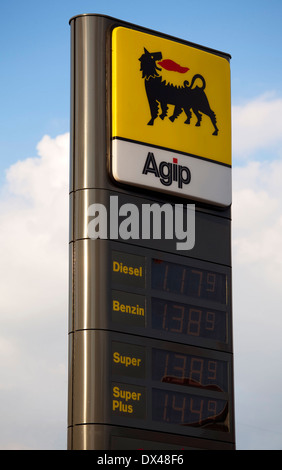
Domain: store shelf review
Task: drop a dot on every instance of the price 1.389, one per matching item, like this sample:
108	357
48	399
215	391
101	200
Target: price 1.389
189	320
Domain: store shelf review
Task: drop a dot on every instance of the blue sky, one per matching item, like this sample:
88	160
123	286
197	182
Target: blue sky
35	54
34	123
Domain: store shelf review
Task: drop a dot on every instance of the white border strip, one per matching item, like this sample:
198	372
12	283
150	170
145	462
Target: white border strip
210	182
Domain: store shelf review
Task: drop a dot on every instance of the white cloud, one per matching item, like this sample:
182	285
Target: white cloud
34	299
257	125
257	274
257	214
33	237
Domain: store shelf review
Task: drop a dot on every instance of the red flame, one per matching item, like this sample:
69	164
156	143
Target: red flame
172	66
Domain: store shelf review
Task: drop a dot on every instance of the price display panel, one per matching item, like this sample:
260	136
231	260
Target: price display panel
175	375
171	297
171	387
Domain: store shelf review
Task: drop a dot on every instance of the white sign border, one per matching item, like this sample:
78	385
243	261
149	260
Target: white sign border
210	181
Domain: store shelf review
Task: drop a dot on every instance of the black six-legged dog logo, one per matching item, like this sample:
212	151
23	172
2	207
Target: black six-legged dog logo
184	98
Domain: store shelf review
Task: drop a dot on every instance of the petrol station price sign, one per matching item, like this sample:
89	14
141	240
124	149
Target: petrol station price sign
150	325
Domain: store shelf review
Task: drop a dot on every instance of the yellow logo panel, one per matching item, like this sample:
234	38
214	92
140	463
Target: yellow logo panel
170	95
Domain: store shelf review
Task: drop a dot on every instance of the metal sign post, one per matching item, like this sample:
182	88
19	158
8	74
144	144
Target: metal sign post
150	318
